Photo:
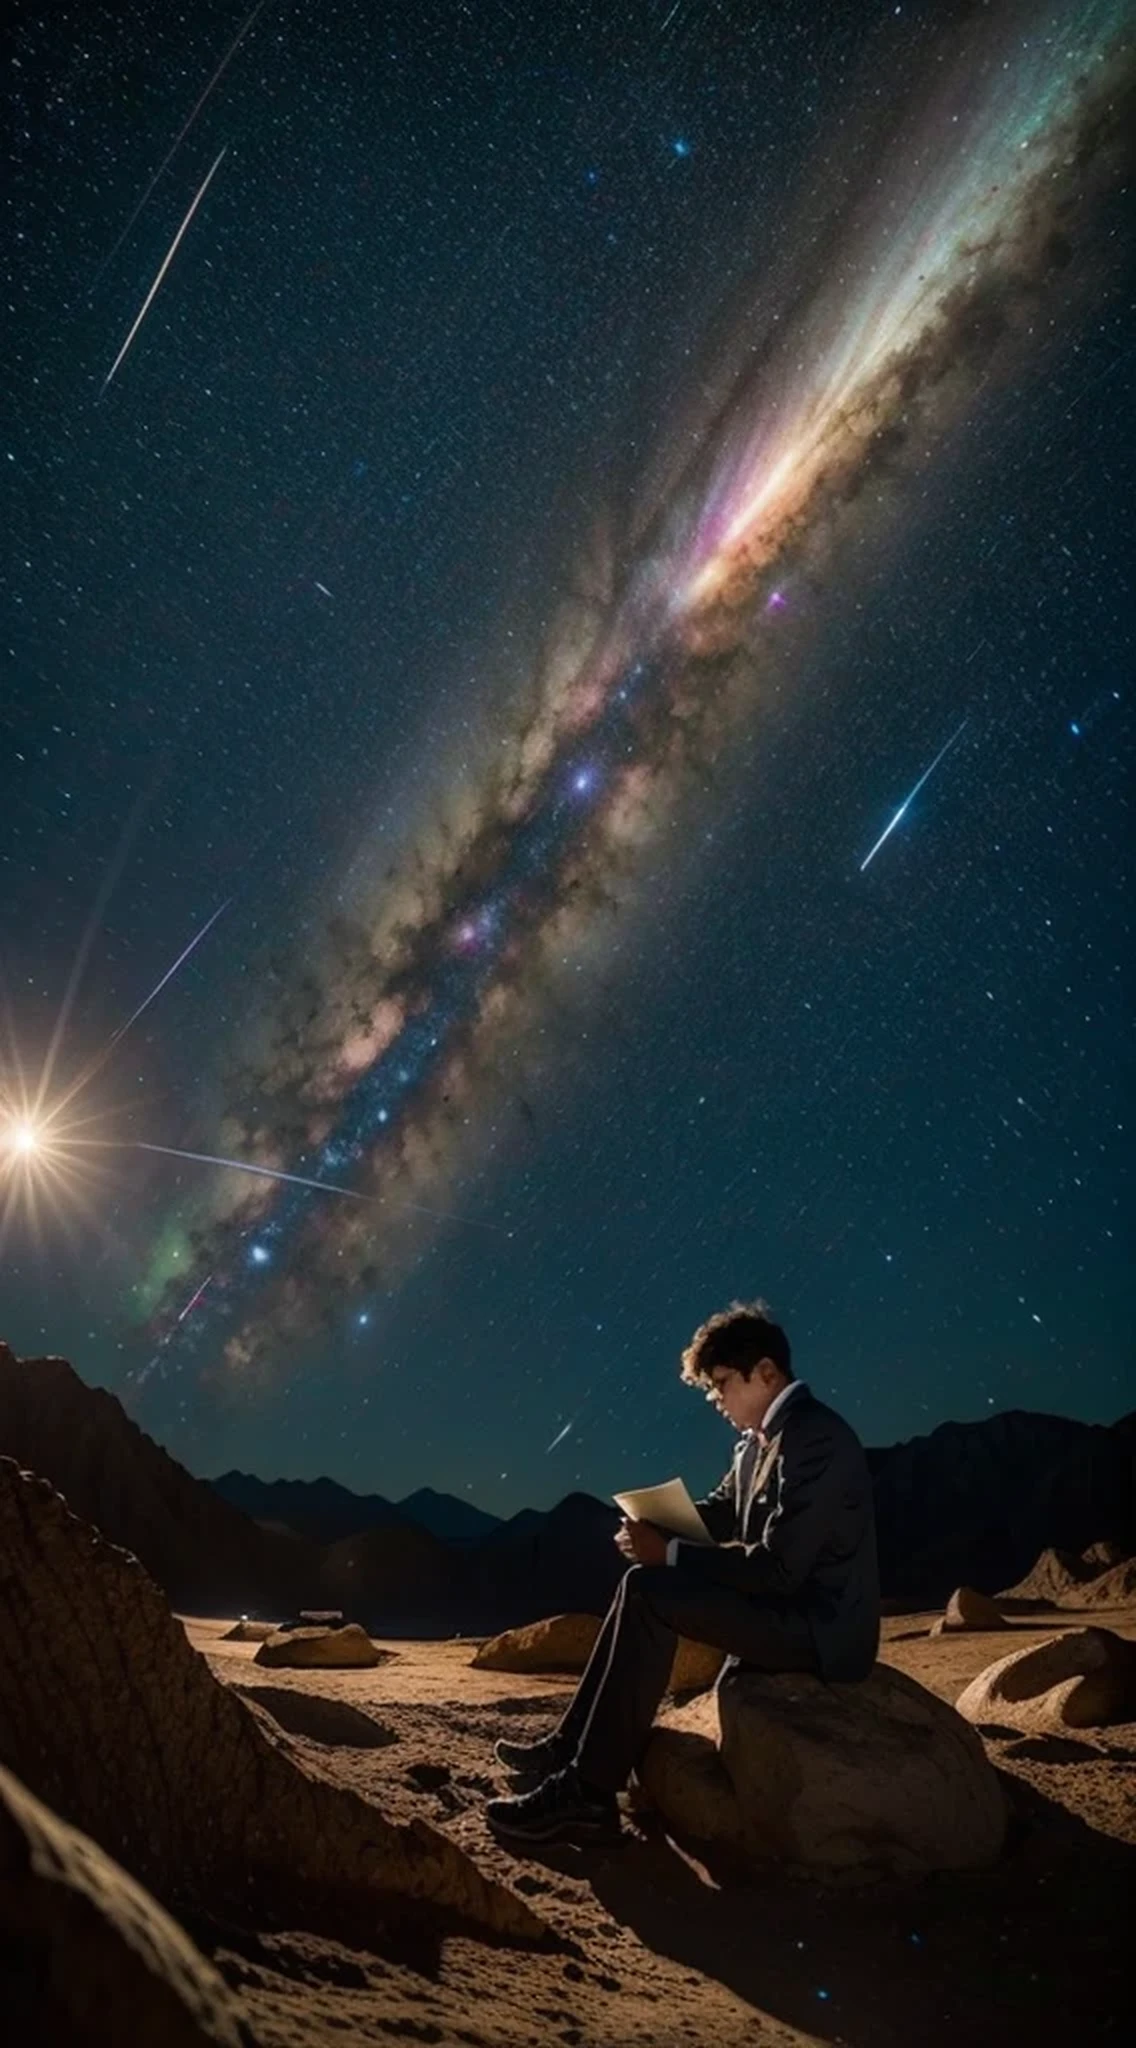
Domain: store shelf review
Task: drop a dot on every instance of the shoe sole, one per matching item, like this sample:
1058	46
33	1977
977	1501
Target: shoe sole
557	1830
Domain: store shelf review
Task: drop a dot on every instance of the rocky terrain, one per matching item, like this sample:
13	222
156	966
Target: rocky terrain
220	1833
667	1948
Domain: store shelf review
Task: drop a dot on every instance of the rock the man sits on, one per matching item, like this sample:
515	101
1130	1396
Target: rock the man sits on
789	1581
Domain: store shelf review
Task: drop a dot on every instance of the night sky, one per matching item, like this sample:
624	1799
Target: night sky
580	469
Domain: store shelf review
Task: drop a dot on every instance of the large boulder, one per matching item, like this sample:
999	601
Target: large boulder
87	1958
321	1649
110	1717
881	1776
968	1610
695	1667
564	1642
1083	1678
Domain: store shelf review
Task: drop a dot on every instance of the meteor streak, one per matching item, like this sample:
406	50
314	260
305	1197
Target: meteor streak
88	1072
194	1299
168	975
183	131
388	1056
323	1187
908	800
170	254
298	1180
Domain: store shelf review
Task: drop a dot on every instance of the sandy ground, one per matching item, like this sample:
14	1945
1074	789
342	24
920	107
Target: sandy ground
658	1955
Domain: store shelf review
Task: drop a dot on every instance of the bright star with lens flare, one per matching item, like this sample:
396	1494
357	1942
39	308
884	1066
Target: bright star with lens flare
22	1139
45	1158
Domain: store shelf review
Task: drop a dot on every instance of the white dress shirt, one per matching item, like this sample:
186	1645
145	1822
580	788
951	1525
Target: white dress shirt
751	1436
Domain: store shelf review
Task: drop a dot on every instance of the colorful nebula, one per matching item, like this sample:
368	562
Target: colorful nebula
386	1055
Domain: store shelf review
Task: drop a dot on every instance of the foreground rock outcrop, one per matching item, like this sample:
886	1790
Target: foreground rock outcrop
87	1958
881	1776
109	1716
321	1649
564	1642
1084	1678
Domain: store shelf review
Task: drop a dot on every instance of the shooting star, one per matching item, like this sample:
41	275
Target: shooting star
142	1375
569	1426
193	1300
299	1180
168	975
322	1187
910	798
183	131
170	254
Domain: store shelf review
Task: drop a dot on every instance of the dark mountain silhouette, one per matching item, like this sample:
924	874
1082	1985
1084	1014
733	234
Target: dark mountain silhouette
205	1552
397	1581
977	1502
326	1512
446	1516
544	1564
972	1503
202	1551
319	1509
525	1518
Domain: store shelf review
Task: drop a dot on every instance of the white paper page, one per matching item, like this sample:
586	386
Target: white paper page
669	1507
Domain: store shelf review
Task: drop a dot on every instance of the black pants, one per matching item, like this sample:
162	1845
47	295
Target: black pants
610	1715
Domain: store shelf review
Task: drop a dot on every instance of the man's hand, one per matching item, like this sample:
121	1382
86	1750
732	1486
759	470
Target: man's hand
642	1541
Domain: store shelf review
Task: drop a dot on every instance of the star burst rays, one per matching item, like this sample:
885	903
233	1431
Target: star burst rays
49	1172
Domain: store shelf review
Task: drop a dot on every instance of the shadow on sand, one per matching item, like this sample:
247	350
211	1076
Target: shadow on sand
335	1723
1031	1950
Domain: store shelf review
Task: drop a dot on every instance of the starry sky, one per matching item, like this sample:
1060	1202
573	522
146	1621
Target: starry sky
579	471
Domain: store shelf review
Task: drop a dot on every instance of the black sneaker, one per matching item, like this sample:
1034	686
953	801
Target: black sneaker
561	1806
536	1759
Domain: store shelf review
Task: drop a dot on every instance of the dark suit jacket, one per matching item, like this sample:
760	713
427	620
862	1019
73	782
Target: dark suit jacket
804	1537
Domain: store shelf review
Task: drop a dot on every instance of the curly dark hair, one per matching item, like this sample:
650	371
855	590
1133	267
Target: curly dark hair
739	1336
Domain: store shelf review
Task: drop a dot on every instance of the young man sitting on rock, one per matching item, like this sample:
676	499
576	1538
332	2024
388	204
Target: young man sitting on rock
789	1581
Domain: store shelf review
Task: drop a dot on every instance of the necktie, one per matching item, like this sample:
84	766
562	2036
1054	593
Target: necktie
750	1456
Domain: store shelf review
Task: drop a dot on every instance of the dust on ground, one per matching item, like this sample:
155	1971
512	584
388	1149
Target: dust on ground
655	1952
